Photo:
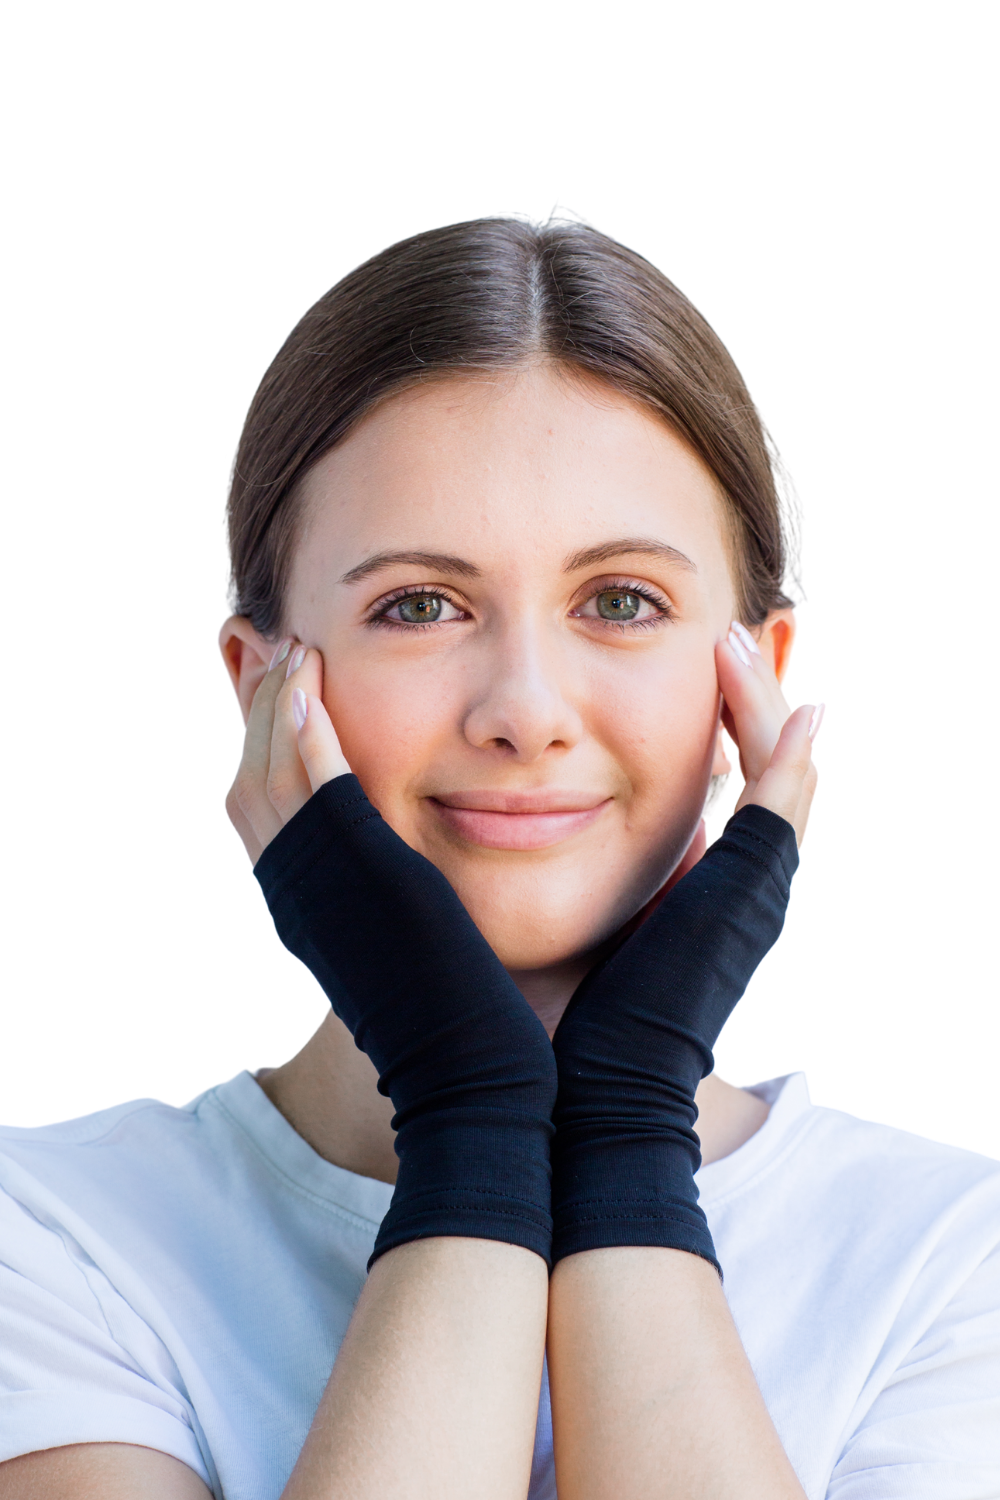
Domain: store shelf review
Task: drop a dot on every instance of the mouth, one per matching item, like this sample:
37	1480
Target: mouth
518	820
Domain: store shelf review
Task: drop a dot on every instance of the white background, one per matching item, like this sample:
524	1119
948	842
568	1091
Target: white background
187	178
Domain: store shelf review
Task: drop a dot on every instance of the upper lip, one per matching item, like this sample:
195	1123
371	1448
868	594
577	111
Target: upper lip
540	800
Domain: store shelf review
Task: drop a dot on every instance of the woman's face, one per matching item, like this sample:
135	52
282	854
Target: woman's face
517	585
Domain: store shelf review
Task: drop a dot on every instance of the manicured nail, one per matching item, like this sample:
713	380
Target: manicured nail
283	649
816	720
298	657
737	649
746	638
300	707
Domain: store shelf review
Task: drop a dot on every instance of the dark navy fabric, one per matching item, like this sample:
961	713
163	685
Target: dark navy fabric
637	1038
463	1058
467	1064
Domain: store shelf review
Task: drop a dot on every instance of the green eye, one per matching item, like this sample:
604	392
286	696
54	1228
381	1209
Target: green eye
617	604
420	609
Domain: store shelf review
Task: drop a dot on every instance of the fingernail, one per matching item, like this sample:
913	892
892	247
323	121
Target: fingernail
737	649
298	657
816	720
300	707
283	649
746	638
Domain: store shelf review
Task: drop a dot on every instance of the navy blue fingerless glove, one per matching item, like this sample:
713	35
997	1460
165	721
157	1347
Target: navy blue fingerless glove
465	1061
637	1038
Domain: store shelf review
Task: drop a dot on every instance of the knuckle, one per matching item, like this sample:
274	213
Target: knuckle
243	793
240	792
233	810
281	787
801	764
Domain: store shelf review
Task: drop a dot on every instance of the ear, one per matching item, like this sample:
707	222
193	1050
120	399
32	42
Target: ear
247	656
775	638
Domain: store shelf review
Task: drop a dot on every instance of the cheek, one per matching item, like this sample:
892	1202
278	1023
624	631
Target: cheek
392	720
659	717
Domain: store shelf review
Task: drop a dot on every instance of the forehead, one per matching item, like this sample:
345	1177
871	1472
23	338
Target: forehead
532	464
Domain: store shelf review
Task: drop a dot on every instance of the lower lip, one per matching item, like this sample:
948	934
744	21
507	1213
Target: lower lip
496	830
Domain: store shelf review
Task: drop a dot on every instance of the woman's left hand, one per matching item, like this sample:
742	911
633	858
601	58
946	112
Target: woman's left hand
775	746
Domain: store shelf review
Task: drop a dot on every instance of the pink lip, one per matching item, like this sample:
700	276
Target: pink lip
518	820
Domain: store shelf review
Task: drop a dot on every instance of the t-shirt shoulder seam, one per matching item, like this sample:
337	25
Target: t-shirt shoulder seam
356	1220
17	1134
78	1273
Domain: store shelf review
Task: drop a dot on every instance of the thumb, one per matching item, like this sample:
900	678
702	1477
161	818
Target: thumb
787	784
319	746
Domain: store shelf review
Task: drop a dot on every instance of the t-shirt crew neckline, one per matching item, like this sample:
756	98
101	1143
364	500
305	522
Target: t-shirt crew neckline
292	1159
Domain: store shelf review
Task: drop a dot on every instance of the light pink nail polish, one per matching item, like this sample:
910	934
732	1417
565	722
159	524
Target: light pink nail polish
746	638
298	657
816	720
282	651
300	707
737	649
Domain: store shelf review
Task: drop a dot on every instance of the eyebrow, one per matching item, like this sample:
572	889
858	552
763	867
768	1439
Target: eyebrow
437	562
588	557
623	546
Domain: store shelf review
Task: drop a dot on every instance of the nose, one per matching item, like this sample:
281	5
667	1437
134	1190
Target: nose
519	705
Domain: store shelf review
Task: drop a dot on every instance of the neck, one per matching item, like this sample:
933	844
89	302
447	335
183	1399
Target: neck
328	1092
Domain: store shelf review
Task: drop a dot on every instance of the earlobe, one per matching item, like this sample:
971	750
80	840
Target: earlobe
777	635
246	655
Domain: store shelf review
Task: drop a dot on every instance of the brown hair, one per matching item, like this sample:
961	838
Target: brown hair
487	295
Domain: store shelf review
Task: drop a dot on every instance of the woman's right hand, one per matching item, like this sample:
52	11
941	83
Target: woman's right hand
457	1048
291	748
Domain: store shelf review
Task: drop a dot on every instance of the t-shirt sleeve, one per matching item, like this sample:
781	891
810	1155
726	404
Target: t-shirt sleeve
933	1432
77	1364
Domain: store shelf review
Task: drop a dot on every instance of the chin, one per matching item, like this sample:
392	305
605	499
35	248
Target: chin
544	907
538	924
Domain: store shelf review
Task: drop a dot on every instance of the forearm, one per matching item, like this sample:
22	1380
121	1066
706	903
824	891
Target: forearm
434	1394
653	1397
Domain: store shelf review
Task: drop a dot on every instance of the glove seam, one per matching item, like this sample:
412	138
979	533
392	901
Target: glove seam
765	864
645	1218
303	861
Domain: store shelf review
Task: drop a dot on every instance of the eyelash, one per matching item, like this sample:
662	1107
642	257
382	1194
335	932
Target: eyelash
377	616
633	586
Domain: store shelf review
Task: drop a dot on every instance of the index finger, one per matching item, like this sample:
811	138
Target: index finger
755	708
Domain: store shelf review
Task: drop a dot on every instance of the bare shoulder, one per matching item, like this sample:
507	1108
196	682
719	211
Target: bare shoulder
99	1471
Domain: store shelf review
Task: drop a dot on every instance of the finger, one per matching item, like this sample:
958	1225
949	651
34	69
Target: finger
288	786
319	746
809	784
754	707
251	842
248	804
787	784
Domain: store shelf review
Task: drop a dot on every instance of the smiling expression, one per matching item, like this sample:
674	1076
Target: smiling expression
517	584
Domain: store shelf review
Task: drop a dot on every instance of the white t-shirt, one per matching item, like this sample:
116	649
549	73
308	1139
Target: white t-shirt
182	1279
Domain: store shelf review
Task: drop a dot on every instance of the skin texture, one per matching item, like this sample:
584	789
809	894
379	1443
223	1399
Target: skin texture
652	1393
520	696
100	1471
554	765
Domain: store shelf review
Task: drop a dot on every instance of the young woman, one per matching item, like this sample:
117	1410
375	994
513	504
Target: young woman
506	550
